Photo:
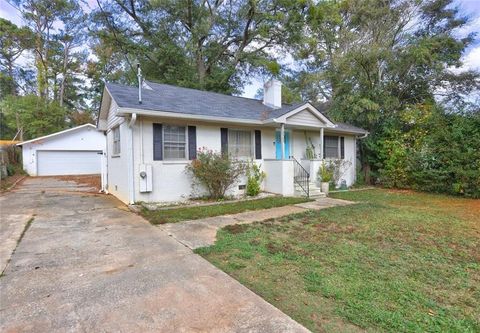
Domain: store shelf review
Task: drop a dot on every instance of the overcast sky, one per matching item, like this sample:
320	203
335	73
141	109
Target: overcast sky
471	56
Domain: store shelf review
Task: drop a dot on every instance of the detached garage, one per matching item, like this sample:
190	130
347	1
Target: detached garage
76	151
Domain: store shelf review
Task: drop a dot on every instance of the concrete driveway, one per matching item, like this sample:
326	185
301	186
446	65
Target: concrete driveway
87	264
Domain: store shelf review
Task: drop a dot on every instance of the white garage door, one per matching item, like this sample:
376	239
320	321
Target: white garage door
54	163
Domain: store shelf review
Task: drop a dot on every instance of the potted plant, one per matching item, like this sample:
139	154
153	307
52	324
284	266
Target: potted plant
324	175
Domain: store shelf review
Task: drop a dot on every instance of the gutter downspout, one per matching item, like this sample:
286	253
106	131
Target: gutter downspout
105	166
131	164
363	136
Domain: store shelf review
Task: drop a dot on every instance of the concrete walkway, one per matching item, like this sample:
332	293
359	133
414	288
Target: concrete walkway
85	265
203	232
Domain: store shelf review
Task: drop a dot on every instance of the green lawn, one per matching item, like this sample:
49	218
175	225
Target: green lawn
193	213
395	262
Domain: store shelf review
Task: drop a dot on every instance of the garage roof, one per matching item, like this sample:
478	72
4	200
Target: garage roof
57	133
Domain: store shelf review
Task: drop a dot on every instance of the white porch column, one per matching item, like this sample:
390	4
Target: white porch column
282	140
321	144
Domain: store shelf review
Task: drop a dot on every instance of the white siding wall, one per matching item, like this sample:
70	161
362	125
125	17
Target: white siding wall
279	177
117	166
117	177
350	155
299	144
304	118
170	182
86	138
268	143
113	120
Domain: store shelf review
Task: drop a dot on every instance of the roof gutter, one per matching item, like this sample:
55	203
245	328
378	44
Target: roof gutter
122	111
169	114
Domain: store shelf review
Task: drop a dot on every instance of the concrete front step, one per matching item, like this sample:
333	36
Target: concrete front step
314	191
311	186
318	195
312	195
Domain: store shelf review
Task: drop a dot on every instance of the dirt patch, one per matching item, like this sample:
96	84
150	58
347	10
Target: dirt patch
8	182
93	181
336	228
274	248
236	228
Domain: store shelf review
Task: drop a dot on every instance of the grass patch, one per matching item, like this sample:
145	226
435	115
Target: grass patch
398	261
199	212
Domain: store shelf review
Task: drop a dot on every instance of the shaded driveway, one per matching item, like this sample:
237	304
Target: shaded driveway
88	264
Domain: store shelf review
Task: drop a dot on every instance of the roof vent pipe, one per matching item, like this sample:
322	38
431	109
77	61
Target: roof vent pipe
139	75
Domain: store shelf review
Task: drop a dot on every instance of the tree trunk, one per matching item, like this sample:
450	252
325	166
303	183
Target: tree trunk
201	69
64	74
19	127
62	91
42	71
13	86
366	173
366	168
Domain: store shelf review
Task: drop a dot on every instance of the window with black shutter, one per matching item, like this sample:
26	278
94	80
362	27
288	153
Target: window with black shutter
157	142
342	147
192	142
224	140
258	144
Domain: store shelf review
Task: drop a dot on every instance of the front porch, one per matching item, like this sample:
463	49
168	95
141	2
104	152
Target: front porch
300	151
289	177
301	145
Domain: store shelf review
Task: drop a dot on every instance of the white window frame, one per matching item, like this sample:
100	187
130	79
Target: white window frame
163	143
252	143
116	141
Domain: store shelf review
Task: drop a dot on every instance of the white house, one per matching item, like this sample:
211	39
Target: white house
153	133
75	151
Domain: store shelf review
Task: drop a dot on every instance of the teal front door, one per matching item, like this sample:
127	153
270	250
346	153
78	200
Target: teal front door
278	145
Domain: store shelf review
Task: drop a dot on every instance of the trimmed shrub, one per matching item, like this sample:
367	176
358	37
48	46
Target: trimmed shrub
255	176
215	172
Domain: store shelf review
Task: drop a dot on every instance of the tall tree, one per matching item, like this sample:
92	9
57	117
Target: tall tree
203	44
14	41
41	15
376	60
71	37
33	114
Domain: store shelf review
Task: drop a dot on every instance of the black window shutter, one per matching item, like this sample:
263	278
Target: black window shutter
342	147
258	144
192	142
324	149
224	140
157	142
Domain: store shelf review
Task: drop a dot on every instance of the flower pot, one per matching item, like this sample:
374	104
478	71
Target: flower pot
325	186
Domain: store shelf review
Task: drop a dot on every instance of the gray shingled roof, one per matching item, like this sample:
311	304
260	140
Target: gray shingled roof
167	98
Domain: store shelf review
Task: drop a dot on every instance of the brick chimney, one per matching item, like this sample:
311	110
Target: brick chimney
272	93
